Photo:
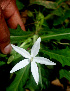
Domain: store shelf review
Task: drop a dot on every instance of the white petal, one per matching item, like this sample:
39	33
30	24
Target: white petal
20	65
36	47
34	70
43	60
21	51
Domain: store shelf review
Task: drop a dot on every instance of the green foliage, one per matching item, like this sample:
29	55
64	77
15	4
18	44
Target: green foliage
49	20
20	79
19	35
19	4
46	4
3	59
57	34
2	63
61	56
43	80
62	19
64	73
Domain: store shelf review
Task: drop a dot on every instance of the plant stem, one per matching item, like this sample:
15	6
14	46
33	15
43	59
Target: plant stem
24	43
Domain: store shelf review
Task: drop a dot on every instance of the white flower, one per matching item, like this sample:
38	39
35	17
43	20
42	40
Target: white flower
31	58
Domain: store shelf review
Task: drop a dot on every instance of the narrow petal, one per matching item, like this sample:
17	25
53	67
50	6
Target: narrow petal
36	47
43	60
21	51
20	65
34	70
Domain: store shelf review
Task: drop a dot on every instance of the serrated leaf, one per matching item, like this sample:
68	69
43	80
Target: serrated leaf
19	35
64	74
17	32
20	80
62	56
57	34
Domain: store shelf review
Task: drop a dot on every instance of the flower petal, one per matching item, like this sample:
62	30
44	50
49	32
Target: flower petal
34	70
43	60
20	65
36	47
21	51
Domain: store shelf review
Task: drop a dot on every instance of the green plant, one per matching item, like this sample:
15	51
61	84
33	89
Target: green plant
49	20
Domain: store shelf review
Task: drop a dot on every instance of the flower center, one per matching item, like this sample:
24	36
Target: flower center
31	59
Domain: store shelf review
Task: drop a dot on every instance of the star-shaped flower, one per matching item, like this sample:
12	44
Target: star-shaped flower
31	58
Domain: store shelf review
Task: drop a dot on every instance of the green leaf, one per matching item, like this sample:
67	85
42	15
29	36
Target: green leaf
19	4
3	59
2	63
60	1
61	19
19	35
59	12
2	55
46	4
43	80
16	32
64	74
31	84
57	34
20	80
62	56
